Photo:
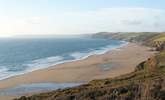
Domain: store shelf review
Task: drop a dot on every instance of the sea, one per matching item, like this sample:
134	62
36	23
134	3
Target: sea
22	55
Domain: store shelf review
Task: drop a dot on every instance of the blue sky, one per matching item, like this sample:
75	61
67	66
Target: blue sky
41	7
55	16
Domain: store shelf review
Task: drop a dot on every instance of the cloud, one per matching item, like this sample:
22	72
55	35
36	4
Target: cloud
106	19
132	22
117	19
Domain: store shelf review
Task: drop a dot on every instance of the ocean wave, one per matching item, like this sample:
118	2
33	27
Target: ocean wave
43	63
31	66
83	55
78	55
5	73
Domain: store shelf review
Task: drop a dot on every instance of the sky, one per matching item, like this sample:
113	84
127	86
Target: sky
43	17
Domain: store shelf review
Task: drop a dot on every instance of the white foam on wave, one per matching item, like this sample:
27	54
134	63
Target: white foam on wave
31	66
102	50
4	73
43	63
78	55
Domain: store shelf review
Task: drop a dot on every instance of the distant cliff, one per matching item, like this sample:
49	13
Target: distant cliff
127	36
152	39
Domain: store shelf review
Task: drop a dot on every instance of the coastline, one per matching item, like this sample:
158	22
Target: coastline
43	63
122	61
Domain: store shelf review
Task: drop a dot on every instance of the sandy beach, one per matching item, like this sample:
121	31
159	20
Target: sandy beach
108	65
121	61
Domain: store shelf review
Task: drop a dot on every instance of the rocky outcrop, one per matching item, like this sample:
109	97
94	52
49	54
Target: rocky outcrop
160	46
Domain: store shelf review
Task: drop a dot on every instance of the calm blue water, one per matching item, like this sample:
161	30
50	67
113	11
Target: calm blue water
18	56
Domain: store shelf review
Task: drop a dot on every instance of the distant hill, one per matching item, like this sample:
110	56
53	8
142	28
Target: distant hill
152	39
127	36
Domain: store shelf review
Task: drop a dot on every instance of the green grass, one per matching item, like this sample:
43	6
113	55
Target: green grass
160	39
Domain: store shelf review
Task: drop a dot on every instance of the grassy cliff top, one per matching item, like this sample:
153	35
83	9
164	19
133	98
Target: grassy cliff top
160	37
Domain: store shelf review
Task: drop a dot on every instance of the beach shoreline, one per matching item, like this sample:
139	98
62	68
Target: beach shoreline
122	61
53	60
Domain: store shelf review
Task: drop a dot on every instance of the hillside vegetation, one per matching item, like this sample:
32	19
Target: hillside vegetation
152	39
127	36
147	82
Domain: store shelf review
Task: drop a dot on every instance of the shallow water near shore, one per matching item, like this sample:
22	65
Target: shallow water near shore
35	88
